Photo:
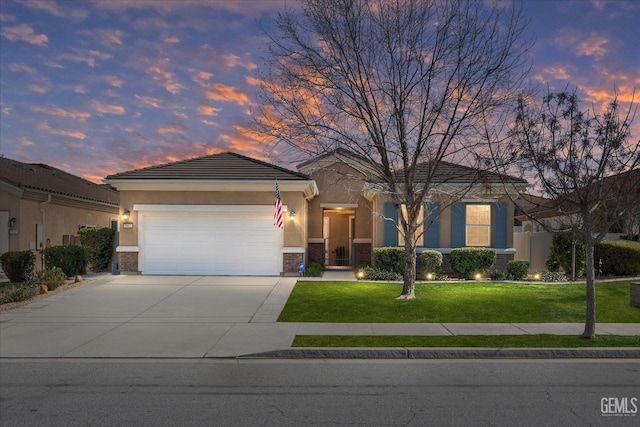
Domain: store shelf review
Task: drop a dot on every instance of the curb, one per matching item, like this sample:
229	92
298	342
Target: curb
449	353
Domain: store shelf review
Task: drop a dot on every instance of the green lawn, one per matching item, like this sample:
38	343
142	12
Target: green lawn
477	341
461	302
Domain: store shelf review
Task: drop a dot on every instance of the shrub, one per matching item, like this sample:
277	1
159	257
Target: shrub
560	255
71	260
389	259
52	277
372	273
17	293
313	269
518	270
430	262
500	275
619	257
99	244
18	266
554	276
466	262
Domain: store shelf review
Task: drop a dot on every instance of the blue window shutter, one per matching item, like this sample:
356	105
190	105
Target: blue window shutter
433	222
500	227
458	225
390	230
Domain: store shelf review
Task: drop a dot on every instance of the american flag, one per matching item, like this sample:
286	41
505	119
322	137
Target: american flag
278	220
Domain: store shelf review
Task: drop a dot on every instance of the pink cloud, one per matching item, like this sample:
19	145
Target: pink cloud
59	112
45	127
165	78
594	45
24	33
222	92
208	110
103	108
154	102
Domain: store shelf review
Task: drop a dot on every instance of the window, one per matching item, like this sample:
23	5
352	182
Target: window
478	225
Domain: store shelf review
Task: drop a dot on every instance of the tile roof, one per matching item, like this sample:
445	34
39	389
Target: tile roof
222	166
451	173
41	177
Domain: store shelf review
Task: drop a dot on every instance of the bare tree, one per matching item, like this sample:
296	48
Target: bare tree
585	165
402	83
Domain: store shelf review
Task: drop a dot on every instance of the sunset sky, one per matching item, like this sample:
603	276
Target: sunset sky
105	86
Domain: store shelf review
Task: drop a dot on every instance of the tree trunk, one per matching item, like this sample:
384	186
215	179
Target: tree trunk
409	276
590	321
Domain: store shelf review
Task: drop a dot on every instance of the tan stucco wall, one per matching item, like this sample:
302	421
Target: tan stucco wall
339	185
294	231
60	218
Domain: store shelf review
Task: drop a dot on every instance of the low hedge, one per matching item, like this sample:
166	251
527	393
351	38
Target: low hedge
619	257
99	243
72	260
466	262
389	259
518	269
18	265
430	262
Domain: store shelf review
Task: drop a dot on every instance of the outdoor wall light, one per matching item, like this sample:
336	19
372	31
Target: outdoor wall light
292	215
12	222
126	214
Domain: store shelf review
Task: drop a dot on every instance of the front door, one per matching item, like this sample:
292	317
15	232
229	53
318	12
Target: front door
338	232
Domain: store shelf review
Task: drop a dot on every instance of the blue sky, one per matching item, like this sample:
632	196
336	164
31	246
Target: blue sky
98	87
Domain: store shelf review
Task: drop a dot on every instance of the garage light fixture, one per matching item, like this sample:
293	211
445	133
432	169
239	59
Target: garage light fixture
126	214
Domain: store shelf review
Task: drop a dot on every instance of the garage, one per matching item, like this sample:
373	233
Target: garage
209	240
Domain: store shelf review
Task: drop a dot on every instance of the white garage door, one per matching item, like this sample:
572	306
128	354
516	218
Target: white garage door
228	240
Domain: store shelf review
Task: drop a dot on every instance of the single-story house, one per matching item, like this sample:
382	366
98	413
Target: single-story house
42	206
215	215
538	215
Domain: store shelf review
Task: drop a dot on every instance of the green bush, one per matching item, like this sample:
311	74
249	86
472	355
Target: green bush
501	275
372	273
17	293
430	262
51	277
72	260
560	255
99	244
619	257
18	266
466	262
389	259
518	270
554	276
313	269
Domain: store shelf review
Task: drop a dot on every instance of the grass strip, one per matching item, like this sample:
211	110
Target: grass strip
456	302
473	341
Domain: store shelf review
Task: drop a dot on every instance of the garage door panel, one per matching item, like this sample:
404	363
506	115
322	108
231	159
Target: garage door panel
220	243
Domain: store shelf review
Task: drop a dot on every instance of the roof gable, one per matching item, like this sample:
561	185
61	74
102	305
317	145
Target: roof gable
45	178
226	166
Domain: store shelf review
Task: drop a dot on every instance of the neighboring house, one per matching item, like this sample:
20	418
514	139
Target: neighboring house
214	215
539	215
44	206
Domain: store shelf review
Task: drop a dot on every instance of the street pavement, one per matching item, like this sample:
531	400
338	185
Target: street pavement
119	316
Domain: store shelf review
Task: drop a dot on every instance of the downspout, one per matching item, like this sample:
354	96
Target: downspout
44	234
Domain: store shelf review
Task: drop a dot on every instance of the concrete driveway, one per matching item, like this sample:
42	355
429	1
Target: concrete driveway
152	316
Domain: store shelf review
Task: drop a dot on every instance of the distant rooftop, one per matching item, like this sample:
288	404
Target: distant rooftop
45	178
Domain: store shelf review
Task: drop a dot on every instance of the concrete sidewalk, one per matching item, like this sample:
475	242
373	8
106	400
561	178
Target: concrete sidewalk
200	317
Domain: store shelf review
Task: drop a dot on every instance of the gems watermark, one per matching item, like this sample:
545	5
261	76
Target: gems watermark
619	406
